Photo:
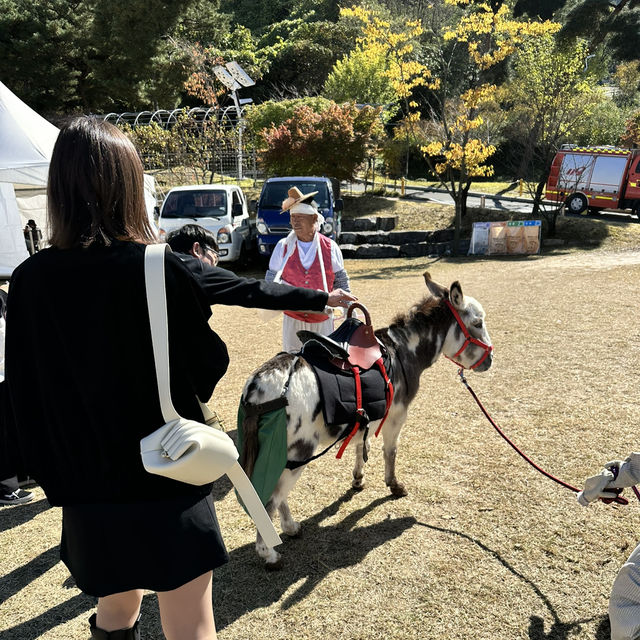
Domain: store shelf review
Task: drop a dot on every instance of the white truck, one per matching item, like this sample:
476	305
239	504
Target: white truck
220	208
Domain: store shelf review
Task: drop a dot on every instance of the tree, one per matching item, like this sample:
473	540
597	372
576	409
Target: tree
631	136
100	55
303	51
459	139
362	76
550	98
396	46
333	142
273	113
43	50
626	79
611	26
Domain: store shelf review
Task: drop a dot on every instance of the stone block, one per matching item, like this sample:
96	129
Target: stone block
415	249
372	237
377	251
348	250
407	237
387	223
358	224
348	237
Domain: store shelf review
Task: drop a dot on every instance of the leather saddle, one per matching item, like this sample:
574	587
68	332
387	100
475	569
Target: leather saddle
353	343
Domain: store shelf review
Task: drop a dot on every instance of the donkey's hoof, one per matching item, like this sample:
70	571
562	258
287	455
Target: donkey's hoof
357	485
398	490
294	530
274	566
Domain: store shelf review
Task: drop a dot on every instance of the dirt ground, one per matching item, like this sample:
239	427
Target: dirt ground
483	546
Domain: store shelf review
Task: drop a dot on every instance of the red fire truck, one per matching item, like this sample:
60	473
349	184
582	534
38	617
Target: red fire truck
595	178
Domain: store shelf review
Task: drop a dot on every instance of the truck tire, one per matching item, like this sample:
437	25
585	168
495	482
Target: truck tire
243	256
577	203
636	209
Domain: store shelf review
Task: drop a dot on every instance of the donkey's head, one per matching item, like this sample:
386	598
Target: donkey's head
467	342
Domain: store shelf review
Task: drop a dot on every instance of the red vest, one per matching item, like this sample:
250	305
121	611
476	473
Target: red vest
295	274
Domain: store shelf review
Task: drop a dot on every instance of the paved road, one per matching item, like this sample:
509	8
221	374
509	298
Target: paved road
500	203
491	202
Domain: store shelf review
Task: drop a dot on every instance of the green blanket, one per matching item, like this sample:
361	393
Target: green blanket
272	455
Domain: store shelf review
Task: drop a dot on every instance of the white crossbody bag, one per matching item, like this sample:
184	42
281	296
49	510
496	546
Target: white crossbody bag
187	450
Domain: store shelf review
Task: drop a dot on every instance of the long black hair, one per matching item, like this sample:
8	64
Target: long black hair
96	187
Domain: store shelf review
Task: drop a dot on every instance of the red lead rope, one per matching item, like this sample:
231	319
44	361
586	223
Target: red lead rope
619	499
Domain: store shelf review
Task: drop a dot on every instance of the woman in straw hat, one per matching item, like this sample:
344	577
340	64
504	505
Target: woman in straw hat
306	258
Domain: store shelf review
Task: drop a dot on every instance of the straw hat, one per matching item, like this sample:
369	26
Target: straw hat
297	197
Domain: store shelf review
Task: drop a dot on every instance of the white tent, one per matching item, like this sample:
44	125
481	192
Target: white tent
26	143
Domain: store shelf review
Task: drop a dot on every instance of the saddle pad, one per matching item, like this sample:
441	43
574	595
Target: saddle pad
272	454
338	390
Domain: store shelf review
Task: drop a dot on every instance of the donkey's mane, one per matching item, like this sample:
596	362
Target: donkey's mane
425	307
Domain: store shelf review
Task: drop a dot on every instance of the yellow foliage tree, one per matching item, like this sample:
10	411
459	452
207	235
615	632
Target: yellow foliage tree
397	47
461	144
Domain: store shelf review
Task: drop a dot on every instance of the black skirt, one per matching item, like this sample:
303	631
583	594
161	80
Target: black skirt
159	546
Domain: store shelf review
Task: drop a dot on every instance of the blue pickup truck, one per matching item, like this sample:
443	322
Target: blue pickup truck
273	225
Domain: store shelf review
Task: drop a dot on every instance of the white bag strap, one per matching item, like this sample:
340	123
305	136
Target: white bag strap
157	303
154	273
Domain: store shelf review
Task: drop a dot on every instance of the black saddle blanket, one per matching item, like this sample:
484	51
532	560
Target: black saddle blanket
338	390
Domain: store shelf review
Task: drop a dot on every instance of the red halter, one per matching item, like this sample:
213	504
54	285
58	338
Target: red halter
469	339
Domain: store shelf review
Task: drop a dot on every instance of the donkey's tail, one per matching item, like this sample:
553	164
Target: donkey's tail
250	425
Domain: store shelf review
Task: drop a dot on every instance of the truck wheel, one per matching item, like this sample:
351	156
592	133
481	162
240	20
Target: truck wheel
636	209
577	203
243	257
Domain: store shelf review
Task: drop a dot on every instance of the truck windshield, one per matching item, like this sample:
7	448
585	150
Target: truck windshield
275	193
195	204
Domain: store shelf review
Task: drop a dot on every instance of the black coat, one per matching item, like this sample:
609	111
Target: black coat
80	370
225	287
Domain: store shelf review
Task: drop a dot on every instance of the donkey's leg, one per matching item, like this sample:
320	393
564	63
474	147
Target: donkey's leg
281	494
278	501
270	556
390	433
358	469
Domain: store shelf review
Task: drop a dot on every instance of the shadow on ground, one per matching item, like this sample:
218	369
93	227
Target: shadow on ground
239	586
14	517
559	630
242	585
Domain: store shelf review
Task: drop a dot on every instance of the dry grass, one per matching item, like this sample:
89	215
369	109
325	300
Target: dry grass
483	547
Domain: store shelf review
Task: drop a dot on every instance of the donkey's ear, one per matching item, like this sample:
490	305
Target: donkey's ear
434	288
456	297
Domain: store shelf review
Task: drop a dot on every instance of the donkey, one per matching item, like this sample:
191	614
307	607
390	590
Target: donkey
445	322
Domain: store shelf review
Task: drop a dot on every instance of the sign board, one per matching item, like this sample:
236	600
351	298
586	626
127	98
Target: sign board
516	237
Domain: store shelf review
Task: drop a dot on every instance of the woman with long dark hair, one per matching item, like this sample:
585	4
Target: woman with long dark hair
81	382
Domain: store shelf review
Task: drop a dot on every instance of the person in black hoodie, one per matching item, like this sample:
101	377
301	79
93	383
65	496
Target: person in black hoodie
198	249
81	383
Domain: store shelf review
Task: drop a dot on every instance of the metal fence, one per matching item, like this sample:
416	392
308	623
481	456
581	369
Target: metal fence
219	147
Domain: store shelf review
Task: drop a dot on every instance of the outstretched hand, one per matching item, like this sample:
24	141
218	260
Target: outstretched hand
597	487
340	298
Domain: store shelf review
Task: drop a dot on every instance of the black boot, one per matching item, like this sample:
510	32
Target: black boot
132	633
